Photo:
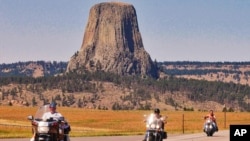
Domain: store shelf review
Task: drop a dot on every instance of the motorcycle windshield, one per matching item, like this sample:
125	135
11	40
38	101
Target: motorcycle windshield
151	119
41	110
152	122
209	121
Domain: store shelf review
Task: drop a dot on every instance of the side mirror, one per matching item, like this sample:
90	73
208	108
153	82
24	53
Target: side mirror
61	118
30	117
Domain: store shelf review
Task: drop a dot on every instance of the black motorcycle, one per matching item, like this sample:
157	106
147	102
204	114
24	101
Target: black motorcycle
155	128
209	128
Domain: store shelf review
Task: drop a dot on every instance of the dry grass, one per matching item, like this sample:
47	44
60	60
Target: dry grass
100	123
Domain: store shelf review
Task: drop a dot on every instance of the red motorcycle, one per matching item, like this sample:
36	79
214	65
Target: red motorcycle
49	129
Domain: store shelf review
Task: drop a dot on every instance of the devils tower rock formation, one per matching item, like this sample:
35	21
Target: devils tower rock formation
112	42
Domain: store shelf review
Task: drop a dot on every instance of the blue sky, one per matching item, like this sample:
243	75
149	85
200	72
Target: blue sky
172	30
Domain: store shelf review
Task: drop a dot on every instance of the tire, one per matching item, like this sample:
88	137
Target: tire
208	133
159	137
53	137
150	138
66	137
211	133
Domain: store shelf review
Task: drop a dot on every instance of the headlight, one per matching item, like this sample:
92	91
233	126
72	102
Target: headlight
43	129
152	126
209	121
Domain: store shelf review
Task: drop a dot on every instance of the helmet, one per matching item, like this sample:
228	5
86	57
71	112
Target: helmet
52	105
157	110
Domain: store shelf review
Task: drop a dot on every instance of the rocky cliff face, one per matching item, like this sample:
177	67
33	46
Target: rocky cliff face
112	42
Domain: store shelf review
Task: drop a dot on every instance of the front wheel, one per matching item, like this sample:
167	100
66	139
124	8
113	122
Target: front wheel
150	138
53	137
66	137
159	138
209	134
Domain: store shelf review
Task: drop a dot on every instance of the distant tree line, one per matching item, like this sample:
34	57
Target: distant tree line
195	90
198	71
81	81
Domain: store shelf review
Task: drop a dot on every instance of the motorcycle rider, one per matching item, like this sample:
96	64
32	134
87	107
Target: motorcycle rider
51	114
213	118
158	116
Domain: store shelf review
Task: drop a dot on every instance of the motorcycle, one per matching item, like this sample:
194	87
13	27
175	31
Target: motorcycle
49	129
155	128
209	127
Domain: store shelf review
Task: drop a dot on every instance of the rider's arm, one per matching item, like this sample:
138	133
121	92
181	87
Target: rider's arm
214	118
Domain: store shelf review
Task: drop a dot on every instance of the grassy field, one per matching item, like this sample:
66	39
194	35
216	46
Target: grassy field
101	123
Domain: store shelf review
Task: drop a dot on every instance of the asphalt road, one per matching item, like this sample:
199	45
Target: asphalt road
218	136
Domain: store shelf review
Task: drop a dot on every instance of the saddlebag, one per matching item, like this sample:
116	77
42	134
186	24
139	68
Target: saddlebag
67	129
164	135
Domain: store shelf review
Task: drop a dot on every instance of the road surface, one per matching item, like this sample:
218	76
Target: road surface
218	136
